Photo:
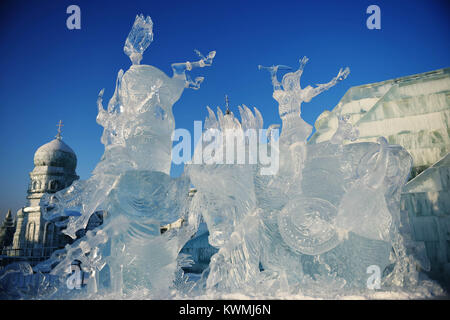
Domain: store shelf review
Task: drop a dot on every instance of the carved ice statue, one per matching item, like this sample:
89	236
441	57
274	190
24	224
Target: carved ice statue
330	213
131	182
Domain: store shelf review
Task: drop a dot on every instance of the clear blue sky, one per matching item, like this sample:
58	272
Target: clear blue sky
50	73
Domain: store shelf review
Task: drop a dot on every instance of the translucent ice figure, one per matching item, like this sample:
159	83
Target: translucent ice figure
333	209
131	182
295	131
290	96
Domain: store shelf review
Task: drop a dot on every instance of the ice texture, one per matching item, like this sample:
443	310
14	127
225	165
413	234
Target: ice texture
314	228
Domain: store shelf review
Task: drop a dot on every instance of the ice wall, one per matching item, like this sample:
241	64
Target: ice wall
412	111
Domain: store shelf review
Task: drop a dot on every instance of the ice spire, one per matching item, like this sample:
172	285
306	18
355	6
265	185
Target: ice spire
8	215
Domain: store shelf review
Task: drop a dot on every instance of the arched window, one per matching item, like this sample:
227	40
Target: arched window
34	185
29	236
49	234
53	185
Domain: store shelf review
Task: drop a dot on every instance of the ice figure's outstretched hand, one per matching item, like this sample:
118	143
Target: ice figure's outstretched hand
309	92
194	84
303	62
179	69
343	74
139	38
205	61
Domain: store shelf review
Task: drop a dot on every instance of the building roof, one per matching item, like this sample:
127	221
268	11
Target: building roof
56	153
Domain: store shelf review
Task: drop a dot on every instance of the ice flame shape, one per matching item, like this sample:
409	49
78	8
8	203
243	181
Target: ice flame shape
139	38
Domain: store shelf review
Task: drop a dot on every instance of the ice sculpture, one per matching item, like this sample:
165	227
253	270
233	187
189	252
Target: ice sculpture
131	182
319	224
316	226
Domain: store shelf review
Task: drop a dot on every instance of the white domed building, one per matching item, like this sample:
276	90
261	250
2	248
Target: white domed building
36	238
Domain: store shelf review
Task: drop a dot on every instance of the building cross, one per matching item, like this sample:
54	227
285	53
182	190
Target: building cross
226	104
59	125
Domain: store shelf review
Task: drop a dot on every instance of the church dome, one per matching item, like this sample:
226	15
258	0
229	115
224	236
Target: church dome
56	154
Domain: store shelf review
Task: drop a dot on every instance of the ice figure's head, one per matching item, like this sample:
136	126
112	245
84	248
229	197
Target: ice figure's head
139	38
227	193
291	81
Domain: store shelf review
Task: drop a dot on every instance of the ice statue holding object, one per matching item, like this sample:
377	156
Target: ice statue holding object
179	69
295	130
140	38
290	95
132	181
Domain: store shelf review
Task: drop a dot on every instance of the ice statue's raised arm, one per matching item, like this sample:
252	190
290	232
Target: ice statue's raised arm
273	74
303	62
309	92
179	69
102	114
